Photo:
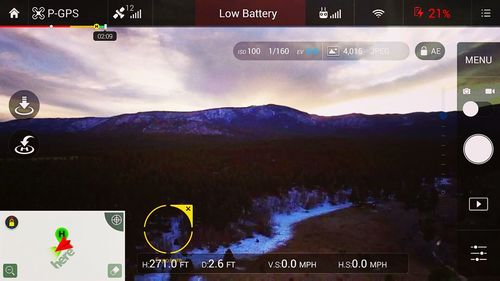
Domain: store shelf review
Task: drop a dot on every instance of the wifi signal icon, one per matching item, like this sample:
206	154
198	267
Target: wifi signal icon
378	12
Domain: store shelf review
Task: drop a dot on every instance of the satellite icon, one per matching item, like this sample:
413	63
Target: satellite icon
119	13
378	13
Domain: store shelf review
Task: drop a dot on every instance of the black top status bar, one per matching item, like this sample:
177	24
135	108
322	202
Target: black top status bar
251	12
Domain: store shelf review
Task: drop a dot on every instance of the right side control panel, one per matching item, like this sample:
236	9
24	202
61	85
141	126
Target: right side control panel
478	179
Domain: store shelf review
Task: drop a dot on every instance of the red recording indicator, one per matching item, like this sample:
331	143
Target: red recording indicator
432	13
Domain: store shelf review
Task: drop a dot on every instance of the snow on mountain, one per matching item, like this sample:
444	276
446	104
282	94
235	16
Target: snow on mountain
253	121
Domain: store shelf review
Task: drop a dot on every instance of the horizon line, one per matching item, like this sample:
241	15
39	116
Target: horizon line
232	107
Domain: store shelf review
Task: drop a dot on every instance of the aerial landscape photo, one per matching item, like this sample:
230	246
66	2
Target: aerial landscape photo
275	157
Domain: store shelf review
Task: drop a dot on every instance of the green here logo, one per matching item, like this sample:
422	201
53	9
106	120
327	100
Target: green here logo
64	250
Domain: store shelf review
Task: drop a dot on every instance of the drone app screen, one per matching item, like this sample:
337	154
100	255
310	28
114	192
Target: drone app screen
250	140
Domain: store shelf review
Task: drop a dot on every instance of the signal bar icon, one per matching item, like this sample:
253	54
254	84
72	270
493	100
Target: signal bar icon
137	15
337	14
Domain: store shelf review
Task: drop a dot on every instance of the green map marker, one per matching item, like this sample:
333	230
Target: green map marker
60	233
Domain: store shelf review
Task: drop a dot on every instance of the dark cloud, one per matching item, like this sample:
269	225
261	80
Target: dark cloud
49	92
215	71
38	56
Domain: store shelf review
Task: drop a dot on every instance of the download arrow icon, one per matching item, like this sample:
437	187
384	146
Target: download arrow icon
24	102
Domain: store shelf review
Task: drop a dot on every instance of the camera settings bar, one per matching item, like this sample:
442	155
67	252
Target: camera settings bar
321	51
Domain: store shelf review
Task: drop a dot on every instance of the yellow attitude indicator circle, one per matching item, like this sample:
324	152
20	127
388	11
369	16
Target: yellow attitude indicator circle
186	209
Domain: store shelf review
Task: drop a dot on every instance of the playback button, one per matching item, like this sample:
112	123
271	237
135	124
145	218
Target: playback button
478	204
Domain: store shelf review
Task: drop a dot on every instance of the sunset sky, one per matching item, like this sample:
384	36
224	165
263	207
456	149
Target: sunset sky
188	69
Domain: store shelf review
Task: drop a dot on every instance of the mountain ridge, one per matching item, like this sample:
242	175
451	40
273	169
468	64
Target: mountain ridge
269	120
